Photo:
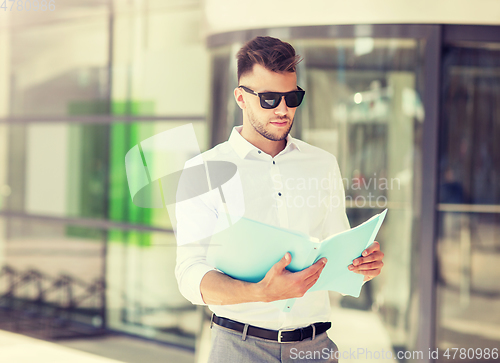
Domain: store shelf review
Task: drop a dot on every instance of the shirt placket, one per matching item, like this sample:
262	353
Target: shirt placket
279	194
282	212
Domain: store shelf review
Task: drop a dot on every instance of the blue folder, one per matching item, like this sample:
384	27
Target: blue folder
247	250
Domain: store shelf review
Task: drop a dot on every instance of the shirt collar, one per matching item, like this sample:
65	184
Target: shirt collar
242	147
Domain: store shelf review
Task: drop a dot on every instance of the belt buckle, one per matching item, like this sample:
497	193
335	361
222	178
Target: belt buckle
279	334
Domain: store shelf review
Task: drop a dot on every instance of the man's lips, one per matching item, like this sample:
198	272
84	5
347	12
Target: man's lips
279	123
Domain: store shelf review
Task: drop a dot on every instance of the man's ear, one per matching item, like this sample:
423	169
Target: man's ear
238	96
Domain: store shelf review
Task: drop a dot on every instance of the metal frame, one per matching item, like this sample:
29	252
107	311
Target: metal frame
107	163
101	119
428	213
469	208
326	31
85	222
471	33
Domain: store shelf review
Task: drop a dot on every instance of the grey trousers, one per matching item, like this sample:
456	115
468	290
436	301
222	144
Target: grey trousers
229	347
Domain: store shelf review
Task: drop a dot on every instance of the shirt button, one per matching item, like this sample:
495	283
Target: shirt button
259	151
279	194
273	162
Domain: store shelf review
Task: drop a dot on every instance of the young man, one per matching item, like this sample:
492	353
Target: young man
282	184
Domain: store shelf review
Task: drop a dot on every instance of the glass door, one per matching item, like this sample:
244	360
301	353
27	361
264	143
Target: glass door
468	240
364	105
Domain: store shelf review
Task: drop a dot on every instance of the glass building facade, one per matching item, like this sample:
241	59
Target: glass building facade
80	87
411	112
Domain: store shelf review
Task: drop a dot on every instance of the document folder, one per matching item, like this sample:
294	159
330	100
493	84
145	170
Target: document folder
248	249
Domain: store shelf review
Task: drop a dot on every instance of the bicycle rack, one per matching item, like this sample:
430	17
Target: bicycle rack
54	309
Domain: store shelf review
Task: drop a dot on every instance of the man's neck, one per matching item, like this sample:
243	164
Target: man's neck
270	147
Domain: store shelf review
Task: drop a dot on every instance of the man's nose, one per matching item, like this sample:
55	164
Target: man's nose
282	108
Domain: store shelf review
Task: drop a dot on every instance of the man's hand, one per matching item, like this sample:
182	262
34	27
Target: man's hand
280	284
370	264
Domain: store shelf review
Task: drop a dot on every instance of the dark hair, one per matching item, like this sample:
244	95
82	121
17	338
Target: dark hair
271	53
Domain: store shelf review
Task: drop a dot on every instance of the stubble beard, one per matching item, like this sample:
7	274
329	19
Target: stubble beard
260	128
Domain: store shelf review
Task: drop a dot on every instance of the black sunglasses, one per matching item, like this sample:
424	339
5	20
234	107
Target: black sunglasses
270	100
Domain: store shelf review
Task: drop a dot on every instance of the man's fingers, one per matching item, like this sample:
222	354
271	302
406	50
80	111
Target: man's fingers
369	266
284	262
375	246
370	263
311	280
313	269
311	284
369	273
315	275
322	260
375	256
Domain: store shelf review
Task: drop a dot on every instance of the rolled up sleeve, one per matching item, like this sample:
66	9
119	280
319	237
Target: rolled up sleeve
195	221
189	272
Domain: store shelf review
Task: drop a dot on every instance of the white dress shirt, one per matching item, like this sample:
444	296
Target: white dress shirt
300	188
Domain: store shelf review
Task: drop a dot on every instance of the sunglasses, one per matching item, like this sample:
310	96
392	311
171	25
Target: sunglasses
270	100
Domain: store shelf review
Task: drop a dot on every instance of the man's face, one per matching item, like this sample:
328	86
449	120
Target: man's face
273	124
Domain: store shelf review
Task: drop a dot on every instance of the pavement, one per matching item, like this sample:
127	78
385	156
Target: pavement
16	348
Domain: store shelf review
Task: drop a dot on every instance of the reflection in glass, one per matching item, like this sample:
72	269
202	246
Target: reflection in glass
125	136
75	168
468	293
51	278
57	169
159	60
77	85
469	166
143	297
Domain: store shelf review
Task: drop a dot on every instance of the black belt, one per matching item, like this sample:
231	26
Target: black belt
281	336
